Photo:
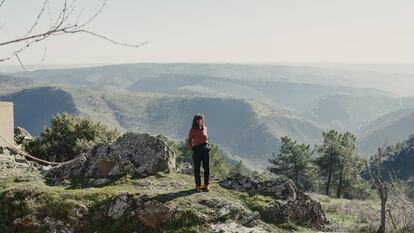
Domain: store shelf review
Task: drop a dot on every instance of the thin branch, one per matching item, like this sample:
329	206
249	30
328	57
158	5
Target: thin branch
95	15
369	171
392	219
42	10
2	2
49	13
37	66
15	52
2	26
107	38
64	24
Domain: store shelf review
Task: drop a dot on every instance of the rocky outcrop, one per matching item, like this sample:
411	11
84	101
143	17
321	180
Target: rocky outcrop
21	135
124	212
185	168
155	202
287	202
9	158
139	155
8	161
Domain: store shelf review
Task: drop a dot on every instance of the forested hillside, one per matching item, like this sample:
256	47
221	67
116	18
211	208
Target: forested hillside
266	102
249	129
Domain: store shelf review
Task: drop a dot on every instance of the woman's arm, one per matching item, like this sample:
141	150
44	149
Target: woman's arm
190	139
206	133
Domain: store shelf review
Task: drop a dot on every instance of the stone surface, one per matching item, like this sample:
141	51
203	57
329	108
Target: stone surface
10	159
185	168
162	203
288	203
233	227
138	155
21	135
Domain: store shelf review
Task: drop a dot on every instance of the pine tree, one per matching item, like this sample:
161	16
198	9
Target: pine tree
337	161
346	161
329	159
294	162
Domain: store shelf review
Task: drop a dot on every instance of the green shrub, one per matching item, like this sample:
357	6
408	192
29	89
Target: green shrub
69	136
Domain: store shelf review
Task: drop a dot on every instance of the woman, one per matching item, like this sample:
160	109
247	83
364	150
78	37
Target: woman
198	143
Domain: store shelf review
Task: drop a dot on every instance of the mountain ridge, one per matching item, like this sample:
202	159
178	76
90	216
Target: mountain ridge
248	129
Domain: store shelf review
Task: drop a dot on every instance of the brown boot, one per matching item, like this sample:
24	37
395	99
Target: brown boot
197	189
206	188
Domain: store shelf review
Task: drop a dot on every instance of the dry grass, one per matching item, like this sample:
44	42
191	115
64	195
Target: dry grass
350	215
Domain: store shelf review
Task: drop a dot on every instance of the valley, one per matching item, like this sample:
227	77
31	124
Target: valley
248	107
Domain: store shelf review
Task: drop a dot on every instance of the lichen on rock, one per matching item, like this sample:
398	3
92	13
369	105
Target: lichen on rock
149	198
133	154
287	204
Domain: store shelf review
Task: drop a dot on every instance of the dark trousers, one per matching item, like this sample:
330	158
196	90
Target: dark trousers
201	155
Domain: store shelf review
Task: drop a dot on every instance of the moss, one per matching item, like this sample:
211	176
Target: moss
260	204
105	225
174	190
291	227
256	200
188	222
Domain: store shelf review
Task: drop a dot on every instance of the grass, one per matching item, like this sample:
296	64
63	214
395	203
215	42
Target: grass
174	190
19	199
350	215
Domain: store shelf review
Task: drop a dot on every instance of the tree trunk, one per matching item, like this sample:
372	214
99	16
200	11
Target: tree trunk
382	192
328	183
296	174
339	190
383	196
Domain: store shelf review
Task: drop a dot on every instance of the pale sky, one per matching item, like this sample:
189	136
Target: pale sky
239	31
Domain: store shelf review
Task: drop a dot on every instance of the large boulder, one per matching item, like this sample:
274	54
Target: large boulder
287	203
21	135
139	155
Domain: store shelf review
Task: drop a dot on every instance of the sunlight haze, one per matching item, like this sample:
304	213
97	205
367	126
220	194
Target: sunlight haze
375	31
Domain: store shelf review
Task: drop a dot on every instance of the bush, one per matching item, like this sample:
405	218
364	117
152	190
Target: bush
69	136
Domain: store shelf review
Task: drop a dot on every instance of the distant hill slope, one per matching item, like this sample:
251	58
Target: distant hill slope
350	112
323	98
245	128
290	95
34	108
124	75
389	129
10	84
398	161
249	129
290	87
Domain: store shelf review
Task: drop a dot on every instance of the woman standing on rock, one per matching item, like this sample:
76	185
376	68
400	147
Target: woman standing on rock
198	143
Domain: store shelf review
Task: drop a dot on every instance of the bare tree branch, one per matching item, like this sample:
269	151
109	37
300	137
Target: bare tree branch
107	39
95	15
42	10
382	188
49	12
33	69
65	23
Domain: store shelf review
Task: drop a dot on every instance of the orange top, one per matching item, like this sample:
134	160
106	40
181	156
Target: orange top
197	136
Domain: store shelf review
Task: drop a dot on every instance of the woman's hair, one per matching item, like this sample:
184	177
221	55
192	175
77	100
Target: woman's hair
195	119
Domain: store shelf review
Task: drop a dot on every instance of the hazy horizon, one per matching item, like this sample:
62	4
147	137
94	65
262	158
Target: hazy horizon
230	31
397	79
